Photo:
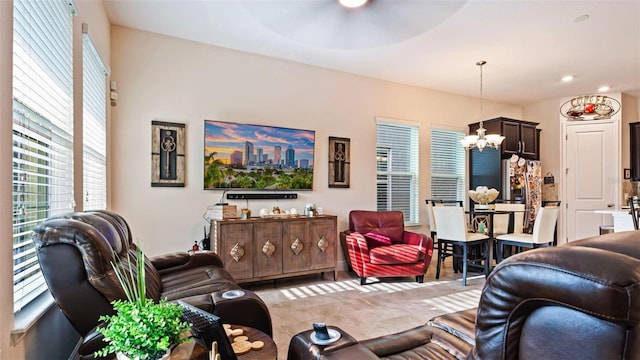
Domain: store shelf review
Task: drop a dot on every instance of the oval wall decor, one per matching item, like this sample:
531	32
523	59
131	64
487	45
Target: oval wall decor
590	107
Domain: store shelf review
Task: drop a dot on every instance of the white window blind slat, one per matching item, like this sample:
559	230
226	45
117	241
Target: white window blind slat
397	169
42	131
447	165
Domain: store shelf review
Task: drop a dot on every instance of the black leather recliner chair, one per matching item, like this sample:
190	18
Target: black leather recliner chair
76	250
576	301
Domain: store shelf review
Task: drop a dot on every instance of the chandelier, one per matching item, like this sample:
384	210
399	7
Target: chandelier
481	140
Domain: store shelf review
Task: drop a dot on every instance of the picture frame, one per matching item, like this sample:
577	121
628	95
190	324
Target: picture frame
627	174
339	162
167	154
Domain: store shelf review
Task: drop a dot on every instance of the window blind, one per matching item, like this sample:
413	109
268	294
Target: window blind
397	169
42	131
94	122
447	165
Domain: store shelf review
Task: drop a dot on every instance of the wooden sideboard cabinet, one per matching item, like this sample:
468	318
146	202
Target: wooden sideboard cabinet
271	248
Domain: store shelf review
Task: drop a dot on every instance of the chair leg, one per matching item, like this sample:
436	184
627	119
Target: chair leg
420	279
363	280
500	249
439	259
464	264
486	257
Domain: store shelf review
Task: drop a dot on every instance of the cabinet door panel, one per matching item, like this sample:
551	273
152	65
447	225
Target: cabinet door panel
268	256
322	239
528	135
296	254
511	144
239	236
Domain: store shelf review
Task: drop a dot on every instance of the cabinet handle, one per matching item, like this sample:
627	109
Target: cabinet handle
268	248
297	246
237	252
524	146
323	244
519	146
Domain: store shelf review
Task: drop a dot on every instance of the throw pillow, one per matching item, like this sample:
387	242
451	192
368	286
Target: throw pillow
375	240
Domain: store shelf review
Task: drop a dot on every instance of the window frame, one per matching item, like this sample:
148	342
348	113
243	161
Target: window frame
94	125
410	168
461	154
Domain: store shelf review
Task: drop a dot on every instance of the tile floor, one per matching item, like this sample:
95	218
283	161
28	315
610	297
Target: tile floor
378	308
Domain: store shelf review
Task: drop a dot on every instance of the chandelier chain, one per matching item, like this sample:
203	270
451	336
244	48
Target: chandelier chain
481	64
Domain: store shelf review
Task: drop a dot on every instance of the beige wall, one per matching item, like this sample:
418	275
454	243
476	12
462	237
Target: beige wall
168	79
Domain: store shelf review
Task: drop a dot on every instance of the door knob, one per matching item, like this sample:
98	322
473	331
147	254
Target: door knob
610	205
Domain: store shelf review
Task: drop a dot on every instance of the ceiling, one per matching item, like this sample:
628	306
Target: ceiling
528	45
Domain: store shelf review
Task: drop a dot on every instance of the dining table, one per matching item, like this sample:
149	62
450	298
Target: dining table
476	216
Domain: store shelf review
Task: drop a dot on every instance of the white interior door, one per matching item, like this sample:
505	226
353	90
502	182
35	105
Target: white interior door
591	176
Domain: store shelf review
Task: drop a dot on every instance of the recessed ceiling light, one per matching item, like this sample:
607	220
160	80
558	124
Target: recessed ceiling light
581	18
604	88
352	3
567	78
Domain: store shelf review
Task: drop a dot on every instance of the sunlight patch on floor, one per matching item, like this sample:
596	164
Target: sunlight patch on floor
455	302
373	285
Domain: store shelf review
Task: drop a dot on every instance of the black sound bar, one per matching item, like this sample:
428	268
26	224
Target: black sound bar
261	196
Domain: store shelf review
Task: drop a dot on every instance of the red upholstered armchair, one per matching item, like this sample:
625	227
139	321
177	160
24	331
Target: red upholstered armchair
376	244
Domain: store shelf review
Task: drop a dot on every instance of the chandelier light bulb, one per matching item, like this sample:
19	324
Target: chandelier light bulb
352	3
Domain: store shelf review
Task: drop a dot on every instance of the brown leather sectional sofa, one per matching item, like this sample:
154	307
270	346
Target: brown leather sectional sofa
76	250
575	301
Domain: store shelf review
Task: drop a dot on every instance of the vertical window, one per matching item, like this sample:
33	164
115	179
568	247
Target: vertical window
94	127
397	168
447	165
42	131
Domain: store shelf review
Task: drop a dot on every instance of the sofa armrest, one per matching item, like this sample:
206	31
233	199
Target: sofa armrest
598	278
302	348
424	243
91	343
181	261
247	309
418	341
358	248
414	238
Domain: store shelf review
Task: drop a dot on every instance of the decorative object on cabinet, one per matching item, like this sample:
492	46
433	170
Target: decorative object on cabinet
590	107
259	157
274	247
339	164
167	154
481	140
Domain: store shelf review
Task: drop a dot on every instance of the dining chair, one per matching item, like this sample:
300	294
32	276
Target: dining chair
432	221
452	230
501	221
543	233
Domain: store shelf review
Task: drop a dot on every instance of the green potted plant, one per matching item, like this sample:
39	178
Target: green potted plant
140	329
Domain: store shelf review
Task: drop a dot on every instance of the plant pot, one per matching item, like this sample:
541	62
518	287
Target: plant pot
120	356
